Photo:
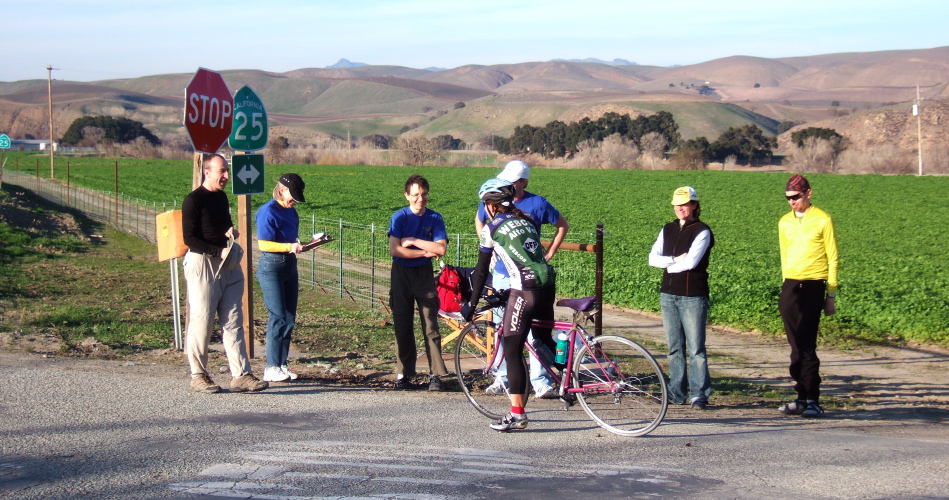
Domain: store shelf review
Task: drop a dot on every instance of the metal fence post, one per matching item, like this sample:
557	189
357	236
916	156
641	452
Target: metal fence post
457	249
313	254
341	258
372	268
598	319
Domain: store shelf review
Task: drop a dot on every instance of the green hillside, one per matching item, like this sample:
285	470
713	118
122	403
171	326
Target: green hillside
355	97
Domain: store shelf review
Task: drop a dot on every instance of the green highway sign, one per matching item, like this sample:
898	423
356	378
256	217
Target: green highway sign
249	132
4	142
248	174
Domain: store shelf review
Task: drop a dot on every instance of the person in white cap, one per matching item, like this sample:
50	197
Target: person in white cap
541	212
682	252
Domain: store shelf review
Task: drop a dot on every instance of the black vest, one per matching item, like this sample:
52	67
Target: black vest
677	241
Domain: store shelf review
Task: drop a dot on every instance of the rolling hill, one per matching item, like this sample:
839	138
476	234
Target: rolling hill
368	99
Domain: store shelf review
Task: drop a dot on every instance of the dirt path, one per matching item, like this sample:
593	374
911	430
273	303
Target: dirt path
874	377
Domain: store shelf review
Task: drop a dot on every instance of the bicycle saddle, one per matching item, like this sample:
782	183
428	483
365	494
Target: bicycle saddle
577	304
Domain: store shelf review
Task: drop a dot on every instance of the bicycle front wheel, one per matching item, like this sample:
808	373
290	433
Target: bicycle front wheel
476	366
624	389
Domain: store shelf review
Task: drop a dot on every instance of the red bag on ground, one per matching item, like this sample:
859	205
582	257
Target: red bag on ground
448	285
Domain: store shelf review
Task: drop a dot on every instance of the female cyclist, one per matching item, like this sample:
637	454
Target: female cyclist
512	237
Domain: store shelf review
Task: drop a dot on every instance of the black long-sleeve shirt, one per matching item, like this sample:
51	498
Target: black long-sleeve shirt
205	217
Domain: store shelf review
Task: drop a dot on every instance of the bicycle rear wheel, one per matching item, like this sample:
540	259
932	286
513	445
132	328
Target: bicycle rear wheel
624	389
476	366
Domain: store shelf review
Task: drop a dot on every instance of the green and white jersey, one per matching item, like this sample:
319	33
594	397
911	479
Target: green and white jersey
516	242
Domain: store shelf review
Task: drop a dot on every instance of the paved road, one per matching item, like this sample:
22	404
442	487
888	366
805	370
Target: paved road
72	428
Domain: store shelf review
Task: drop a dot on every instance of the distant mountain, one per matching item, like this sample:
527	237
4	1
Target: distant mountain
614	62
346	63
308	105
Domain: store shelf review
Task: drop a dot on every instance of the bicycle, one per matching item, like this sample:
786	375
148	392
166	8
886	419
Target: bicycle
617	381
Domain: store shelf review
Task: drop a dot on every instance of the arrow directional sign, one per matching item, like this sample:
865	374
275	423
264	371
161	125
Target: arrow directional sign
4	142
249	174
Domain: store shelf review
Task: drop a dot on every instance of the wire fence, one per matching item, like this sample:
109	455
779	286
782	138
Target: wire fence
356	265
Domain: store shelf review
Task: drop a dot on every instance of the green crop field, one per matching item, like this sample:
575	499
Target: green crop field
894	271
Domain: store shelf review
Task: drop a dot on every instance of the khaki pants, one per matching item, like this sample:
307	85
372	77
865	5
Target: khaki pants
206	296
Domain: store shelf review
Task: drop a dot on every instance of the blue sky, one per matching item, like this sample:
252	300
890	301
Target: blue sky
103	39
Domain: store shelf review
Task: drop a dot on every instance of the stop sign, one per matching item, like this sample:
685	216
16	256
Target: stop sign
209	110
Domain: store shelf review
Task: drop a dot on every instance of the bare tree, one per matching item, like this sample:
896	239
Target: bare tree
613	152
653	145
277	148
730	162
416	149
817	155
689	159
91	136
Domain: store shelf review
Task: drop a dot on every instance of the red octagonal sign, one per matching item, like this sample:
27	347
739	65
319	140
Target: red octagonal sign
209	110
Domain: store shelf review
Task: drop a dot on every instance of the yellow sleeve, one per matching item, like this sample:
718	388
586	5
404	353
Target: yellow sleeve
273	246
830	249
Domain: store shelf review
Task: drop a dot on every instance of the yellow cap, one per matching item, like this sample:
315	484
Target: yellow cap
684	195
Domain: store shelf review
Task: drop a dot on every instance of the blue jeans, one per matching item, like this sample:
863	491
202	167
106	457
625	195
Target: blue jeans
539	376
683	319
280	283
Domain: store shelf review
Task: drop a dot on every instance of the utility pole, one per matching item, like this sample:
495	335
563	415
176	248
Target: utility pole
49	86
919	129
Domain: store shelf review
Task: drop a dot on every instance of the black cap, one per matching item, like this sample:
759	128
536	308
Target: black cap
296	186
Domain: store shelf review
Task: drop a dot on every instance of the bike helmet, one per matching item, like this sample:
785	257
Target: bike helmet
497	191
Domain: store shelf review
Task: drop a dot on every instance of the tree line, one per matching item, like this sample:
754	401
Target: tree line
93	130
746	144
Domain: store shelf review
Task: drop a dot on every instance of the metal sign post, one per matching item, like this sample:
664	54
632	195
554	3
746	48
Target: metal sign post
4	146
176	304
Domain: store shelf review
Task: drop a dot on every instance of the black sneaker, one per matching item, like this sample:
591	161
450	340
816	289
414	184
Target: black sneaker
699	404
509	423
813	410
435	384
404	384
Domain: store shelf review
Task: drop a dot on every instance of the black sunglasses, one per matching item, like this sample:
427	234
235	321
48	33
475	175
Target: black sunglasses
794	197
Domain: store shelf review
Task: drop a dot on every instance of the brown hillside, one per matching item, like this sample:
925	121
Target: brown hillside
433	89
891	126
743	71
472	76
565	76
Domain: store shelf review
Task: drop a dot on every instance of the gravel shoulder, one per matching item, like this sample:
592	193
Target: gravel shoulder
888	391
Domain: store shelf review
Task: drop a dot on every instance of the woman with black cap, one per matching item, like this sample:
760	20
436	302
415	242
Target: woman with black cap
278	227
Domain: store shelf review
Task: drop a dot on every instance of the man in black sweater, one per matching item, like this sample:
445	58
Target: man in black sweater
682	251
213	285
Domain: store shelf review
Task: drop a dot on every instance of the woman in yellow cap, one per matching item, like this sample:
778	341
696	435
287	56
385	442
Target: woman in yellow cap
682	252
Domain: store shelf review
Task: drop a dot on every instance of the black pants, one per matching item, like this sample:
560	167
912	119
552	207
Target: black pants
523	307
801	304
411	287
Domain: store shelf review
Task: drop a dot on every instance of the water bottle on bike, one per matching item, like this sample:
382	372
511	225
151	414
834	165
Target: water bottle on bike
562	346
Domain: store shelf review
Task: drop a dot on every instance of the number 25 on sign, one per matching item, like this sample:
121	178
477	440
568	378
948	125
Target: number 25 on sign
250	122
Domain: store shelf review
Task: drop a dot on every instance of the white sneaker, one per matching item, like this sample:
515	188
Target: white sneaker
495	389
288	372
275	374
545	392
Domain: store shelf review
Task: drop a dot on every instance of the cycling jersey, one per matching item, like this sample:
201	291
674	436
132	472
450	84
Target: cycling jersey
516	242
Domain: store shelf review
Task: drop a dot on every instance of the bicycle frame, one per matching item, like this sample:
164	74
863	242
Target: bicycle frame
575	330
616	381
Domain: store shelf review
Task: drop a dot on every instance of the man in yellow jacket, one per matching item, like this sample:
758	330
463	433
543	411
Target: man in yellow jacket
809	265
